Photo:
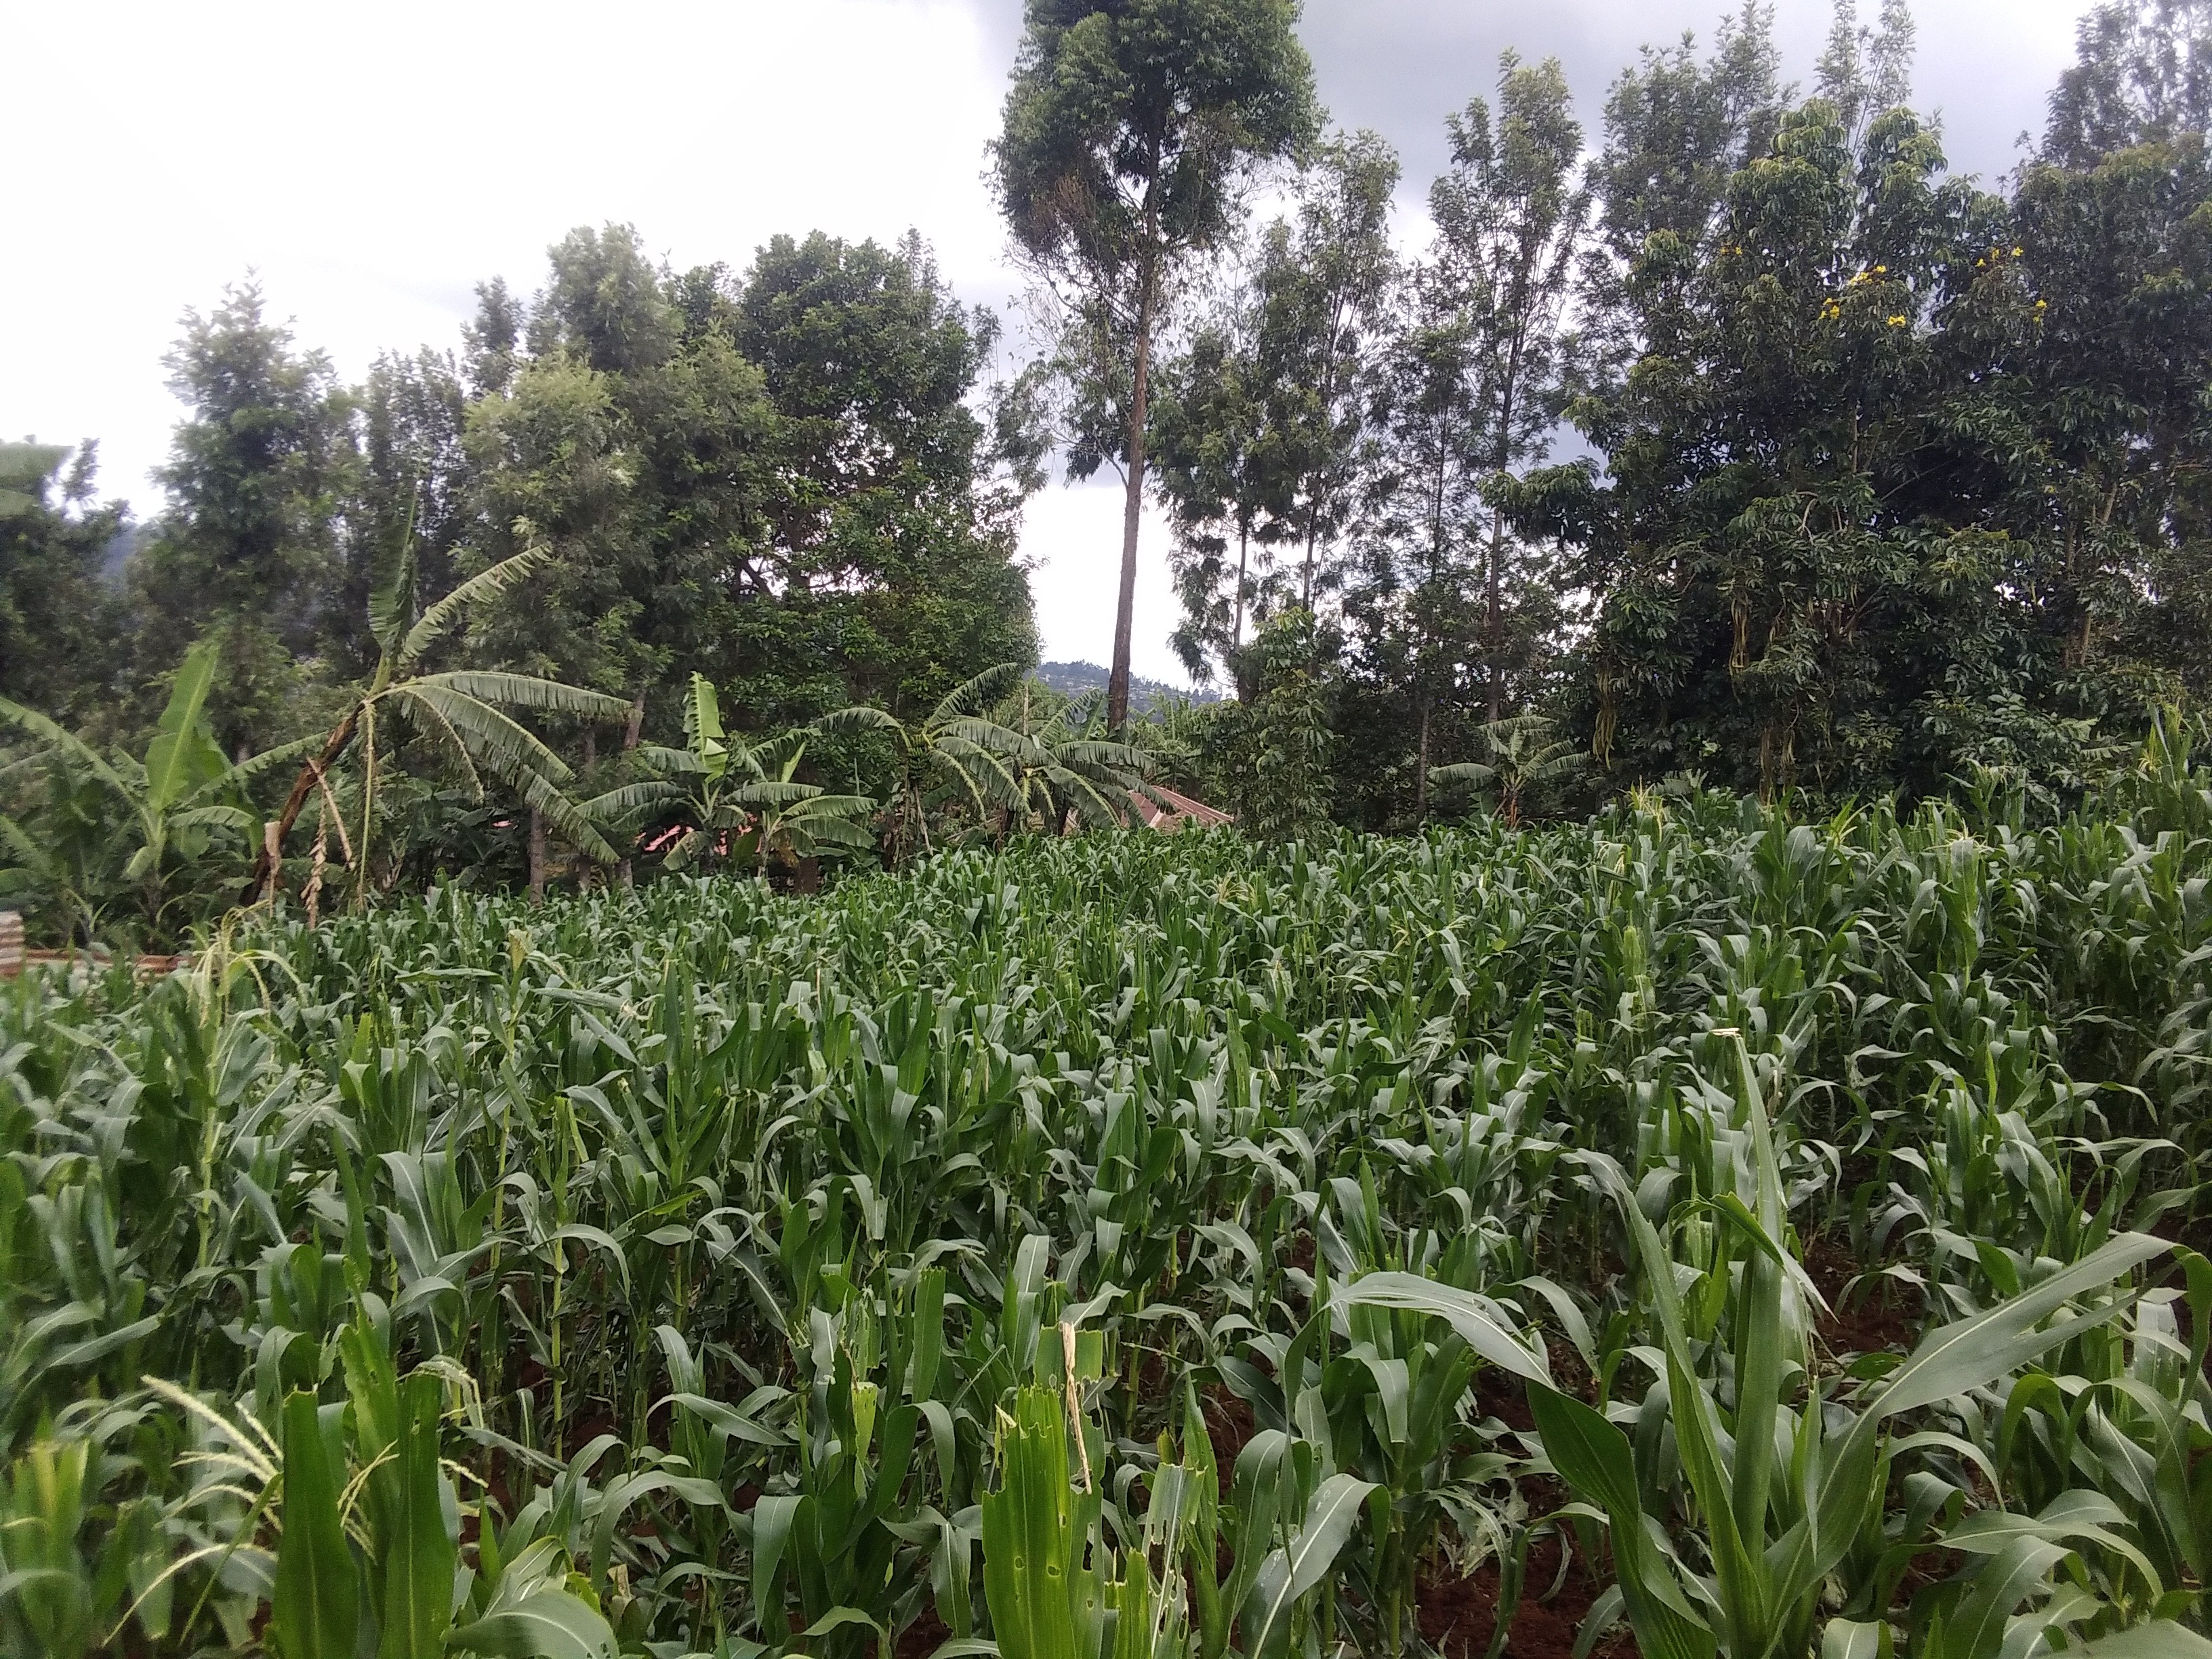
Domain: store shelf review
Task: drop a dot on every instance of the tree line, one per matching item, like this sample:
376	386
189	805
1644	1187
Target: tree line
1738	437
776	481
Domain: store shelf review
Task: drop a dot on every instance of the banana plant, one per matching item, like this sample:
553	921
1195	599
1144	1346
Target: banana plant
957	752
180	797
1524	756
1070	769
735	799
461	713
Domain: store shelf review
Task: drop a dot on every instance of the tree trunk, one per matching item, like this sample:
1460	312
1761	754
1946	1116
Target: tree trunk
624	871
1133	504
265	867
1421	766
1236	628
1496	628
1496	621
537	856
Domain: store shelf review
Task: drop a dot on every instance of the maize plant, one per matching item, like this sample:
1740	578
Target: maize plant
1134	1247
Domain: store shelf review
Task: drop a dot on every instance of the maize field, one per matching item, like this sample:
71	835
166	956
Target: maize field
1694	1232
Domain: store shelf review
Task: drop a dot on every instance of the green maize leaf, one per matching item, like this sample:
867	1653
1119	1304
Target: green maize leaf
417	1557
1133	1623
621	1494
1475	1318
1849	1639
1972	1351
2072	1517
1976	1629
838	1617
1255	1502
1029	1534
2160	1639
729	1420
1291	1572
316	1608
548	1623
1593	1457
773	1519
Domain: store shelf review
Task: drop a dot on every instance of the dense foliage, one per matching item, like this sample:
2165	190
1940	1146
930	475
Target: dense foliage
707	1270
781	479
1884	474
1731	436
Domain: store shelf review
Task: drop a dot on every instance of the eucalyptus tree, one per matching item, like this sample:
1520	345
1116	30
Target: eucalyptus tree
1510	215
1130	126
1409	605
1218	460
415	474
2142	74
1467	393
1325	282
2111	498
1264	429
1865	71
1676	129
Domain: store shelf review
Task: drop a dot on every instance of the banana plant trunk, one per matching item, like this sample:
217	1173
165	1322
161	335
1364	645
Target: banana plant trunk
266	866
537	856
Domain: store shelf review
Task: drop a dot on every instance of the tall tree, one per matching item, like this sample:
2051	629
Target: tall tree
1412	626
1263	431
885	565
1128	128
1324	284
1509	219
415	480
1472	390
2111	508
1794	550
631	441
57	615
1676	130
2142	73
1865	71
1218	463
247	552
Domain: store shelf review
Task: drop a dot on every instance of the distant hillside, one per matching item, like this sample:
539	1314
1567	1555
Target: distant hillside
1072	677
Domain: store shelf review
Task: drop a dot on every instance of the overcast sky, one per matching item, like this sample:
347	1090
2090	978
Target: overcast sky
374	163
